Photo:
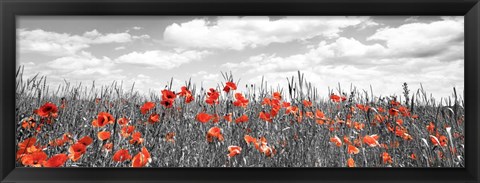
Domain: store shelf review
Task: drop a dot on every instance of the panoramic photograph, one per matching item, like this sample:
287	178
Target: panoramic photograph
240	91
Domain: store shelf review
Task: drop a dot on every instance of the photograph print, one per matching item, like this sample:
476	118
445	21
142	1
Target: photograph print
240	91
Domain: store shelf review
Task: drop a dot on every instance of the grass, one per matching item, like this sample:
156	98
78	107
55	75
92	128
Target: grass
298	143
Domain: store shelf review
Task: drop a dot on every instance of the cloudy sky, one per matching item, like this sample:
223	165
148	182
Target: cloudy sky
382	52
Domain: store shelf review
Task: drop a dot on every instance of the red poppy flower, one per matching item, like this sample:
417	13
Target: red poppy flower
443	140
121	155
214	132
335	140
187	94
60	141
103	118
413	156
170	137
215	118
242	119
203	117
265	116
167	103
28	146
154	118
212	97
57	160
47	110
350	162
249	139
136	138
394	103
393	112
291	109
404	111
352	149
85	140
103	135
146	107
35	159
371	140
307	103
277	95
431	127
76	151
334	98
142	158
358	125
234	150
126	131
386	158
123	121
168	95
229	86
228	117
108	146
240	100
29	123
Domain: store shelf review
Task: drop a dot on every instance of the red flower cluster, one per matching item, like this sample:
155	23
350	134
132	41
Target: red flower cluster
168	98
212	97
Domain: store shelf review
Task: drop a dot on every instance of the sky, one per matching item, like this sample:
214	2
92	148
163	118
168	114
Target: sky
379	51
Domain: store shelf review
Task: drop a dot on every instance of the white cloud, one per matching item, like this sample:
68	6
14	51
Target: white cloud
49	43
412	19
347	60
137	28
343	51
82	66
162	59
424	39
64	44
141	37
238	33
120	48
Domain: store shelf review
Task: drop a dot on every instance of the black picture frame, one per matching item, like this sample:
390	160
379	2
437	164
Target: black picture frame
9	9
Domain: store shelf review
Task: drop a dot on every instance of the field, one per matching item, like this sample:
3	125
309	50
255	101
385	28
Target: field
218	126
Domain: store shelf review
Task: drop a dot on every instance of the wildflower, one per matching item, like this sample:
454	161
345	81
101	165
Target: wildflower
76	151
307	103
228	117
371	140
147	106
126	131
136	138
103	118
203	117
103	135
214	132
242	119
212	97
234	150
123	121
121	155
142	158
350	162
154	118
57	160
352	149
47	110
335	140
229	86
240	100
386	157
86	141
35	159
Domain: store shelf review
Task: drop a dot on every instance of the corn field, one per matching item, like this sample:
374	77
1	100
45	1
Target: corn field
218	126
